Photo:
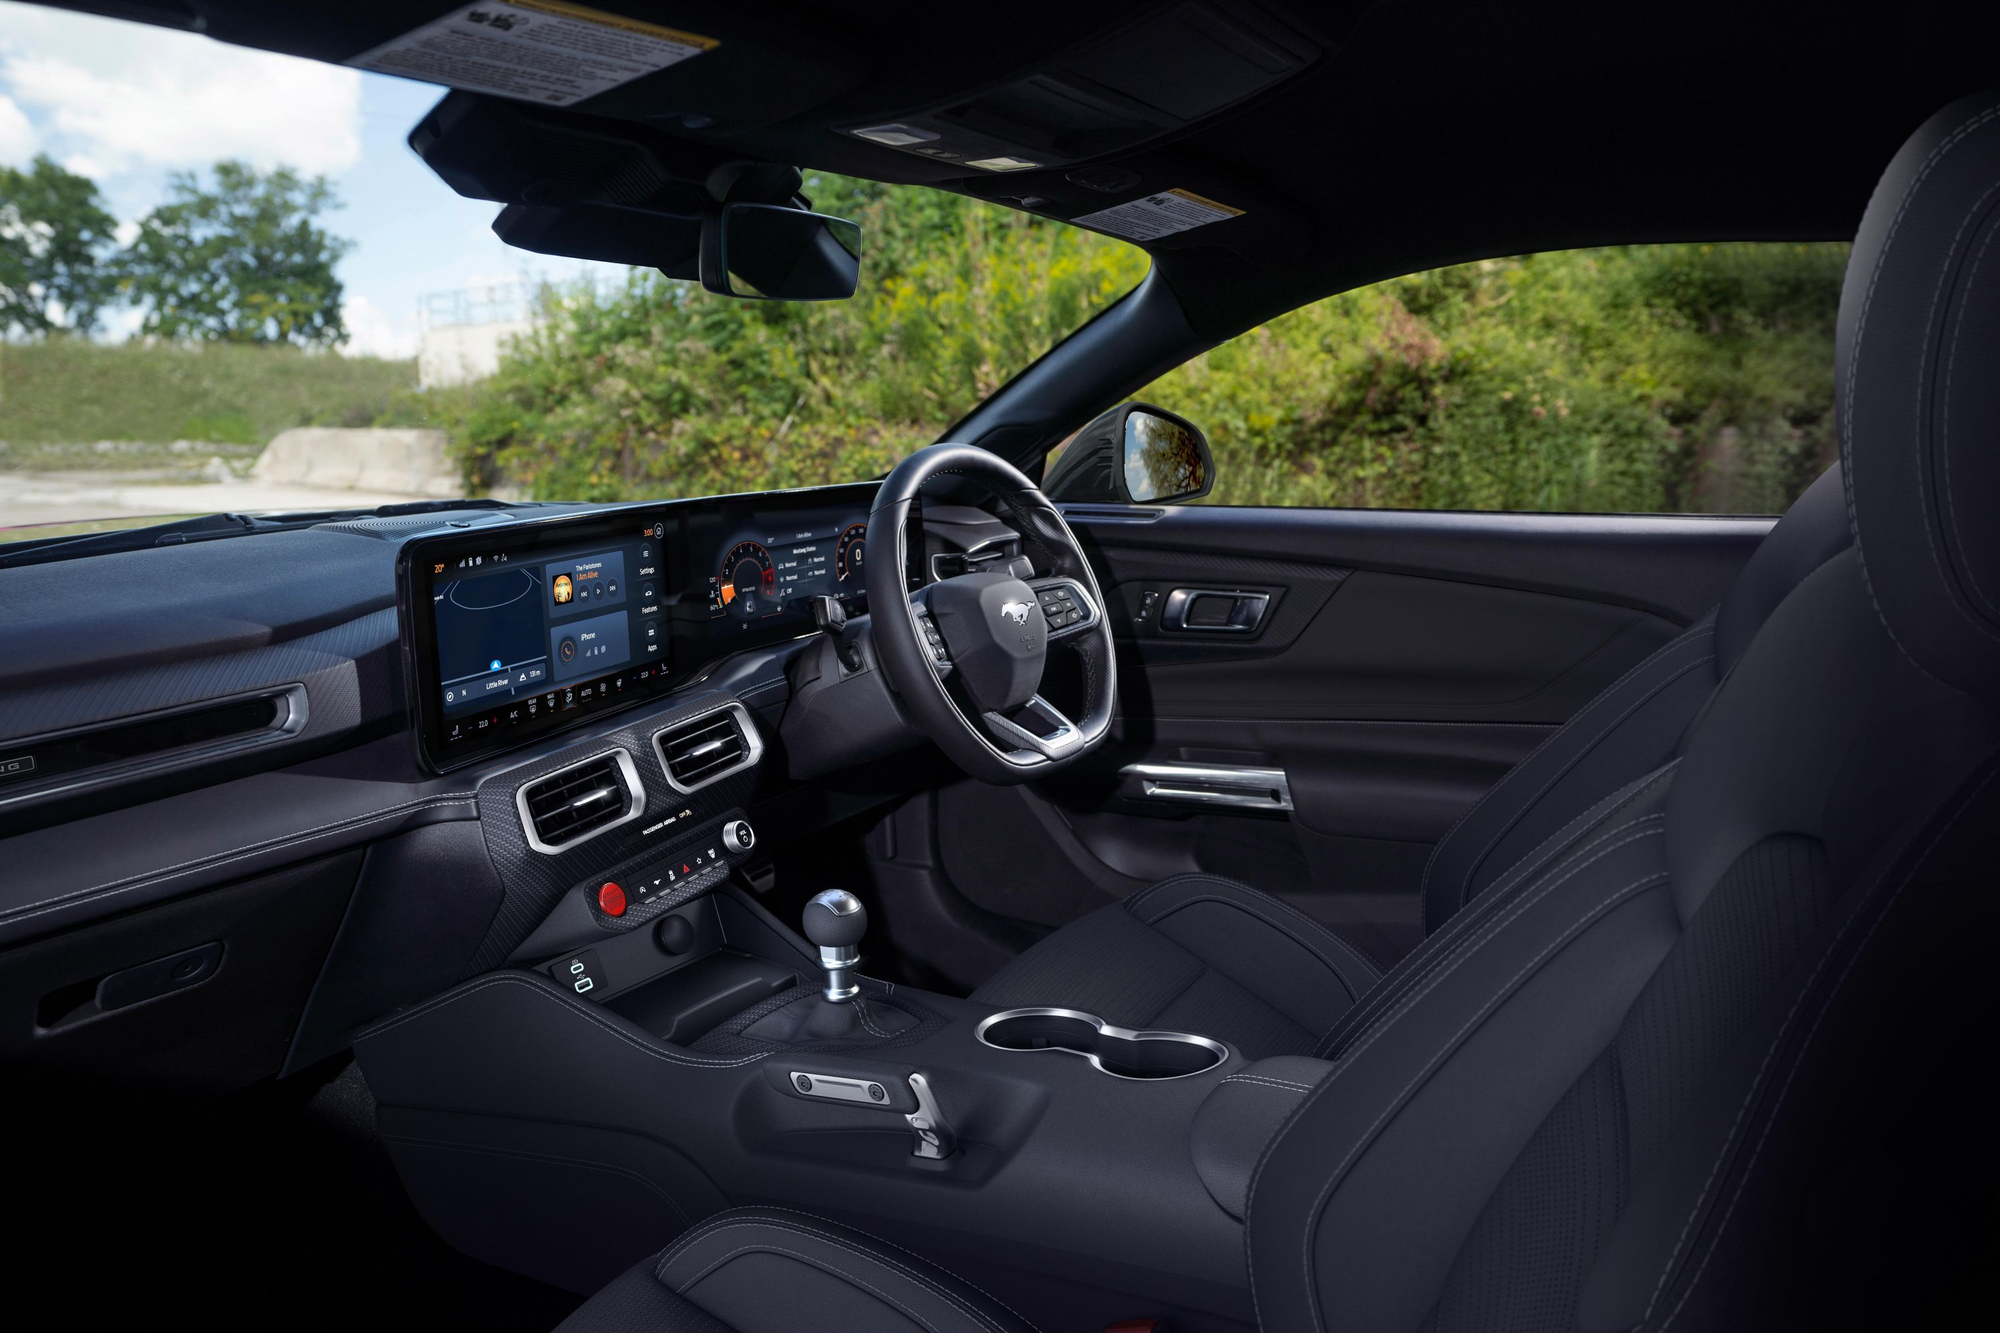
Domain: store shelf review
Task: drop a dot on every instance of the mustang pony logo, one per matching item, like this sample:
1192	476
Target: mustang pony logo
1016	611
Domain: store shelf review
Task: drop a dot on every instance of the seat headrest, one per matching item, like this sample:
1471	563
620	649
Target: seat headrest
1917	395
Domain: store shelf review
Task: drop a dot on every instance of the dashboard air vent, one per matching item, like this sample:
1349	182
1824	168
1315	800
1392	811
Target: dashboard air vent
709	748
566	808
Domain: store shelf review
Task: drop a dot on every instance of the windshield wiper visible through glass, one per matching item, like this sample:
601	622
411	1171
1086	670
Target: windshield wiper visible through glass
209	527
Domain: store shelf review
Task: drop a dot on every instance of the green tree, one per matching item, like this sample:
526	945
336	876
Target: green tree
54	236
244	261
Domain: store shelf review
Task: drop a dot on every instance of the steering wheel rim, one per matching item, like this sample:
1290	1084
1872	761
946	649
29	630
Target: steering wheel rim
997	746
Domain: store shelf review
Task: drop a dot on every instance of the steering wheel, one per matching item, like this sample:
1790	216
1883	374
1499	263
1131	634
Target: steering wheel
967	655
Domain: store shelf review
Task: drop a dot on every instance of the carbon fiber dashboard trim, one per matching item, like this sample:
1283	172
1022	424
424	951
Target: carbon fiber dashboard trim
535	883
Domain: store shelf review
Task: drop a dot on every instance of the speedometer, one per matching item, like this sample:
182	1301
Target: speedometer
849	553
748	584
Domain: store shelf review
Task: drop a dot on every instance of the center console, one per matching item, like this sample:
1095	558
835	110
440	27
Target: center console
568	1116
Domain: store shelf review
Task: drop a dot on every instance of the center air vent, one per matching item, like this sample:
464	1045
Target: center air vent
709	748
578	803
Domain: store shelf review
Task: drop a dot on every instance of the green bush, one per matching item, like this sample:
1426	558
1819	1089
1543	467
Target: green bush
1640	378
660	390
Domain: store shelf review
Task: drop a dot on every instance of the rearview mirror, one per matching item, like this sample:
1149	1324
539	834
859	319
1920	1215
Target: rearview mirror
1133	454
766	252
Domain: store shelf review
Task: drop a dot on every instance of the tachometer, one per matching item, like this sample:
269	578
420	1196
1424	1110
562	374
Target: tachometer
748	585
849	553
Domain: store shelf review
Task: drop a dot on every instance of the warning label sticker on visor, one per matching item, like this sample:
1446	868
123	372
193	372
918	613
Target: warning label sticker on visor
546	51
1157	215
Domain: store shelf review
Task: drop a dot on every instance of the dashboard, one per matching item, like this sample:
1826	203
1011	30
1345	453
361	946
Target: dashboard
514	633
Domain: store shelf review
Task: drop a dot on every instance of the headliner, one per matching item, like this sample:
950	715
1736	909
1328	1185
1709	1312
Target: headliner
1423	134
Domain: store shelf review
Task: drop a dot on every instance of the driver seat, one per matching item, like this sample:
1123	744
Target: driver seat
1203	953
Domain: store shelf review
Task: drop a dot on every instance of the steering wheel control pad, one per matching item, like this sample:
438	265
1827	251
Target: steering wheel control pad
997	635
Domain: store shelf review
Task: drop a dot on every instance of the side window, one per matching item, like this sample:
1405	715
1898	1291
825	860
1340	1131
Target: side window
1639	379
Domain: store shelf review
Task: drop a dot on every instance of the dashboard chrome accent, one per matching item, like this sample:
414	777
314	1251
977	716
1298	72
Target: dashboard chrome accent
1213	784
635	795
746	726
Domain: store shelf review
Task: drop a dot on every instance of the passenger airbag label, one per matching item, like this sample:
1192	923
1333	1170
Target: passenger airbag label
1158	215
546	51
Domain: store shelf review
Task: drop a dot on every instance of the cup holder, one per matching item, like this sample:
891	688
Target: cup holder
1119	1052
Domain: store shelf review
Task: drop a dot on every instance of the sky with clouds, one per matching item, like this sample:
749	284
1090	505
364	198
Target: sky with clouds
126	104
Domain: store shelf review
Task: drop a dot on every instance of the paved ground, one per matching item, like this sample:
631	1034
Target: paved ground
70	497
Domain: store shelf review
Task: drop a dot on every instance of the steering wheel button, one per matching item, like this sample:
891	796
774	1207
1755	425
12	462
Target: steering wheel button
611	899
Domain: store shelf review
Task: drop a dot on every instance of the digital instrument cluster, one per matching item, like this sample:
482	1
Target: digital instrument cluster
769	569
521	629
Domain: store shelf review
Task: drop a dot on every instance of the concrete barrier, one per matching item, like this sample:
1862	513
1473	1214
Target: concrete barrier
399	461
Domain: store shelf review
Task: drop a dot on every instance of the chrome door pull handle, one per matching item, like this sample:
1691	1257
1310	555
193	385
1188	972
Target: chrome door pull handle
1245	611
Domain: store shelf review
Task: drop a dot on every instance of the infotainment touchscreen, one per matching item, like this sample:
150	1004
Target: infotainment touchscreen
519	637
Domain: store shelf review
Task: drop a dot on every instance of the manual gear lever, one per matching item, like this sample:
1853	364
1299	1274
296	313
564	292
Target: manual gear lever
835	921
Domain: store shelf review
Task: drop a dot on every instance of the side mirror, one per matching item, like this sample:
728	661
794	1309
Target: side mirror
1133	454
767	252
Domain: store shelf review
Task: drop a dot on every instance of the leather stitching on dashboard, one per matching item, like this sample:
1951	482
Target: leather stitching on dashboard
175	871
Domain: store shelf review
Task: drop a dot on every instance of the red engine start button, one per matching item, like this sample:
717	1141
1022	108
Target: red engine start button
611	899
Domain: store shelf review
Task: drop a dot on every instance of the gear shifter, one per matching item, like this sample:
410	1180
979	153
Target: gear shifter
835	921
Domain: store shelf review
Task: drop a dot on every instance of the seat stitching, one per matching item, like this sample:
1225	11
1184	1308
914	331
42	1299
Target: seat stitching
1603	734
814	1217
914	1275
1850	454
1370	970
1687	637
579	1008
1798	1059
837	1271
1353	993
1458	934
1272	1082
1596	910
1951	368
1478	930
111	888
1528	864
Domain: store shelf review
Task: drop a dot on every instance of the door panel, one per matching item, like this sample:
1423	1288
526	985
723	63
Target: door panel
1403	663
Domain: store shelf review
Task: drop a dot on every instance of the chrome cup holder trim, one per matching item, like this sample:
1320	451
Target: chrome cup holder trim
1104	1029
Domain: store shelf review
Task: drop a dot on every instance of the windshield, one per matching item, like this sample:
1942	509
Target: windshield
227	284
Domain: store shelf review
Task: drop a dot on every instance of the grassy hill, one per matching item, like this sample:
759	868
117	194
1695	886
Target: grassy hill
67	392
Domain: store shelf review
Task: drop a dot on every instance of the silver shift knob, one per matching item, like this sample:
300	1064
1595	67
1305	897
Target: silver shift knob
835	921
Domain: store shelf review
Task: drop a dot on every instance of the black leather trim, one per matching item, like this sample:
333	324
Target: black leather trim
1917	402
707	1267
